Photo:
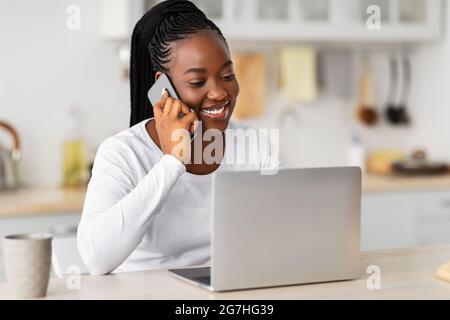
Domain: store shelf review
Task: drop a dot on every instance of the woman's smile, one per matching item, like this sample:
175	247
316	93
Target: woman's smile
216	111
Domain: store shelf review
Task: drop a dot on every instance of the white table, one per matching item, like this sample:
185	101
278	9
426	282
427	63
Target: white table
405	274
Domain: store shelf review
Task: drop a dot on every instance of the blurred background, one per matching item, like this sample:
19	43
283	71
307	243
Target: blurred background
354	82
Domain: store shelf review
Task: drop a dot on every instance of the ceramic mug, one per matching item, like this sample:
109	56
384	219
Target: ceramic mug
27	264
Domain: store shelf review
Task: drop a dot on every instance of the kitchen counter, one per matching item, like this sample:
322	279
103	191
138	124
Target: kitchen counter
55	200
405	274
27	202
374	183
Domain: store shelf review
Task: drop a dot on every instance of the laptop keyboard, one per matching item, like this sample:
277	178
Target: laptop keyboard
203	280
200	275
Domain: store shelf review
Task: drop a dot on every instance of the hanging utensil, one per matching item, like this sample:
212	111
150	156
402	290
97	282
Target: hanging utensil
397	113
404	118
391	105
366	112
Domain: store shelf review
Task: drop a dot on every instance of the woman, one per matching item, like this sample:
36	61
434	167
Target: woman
147	207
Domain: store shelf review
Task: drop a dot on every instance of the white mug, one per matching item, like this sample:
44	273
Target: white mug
27	264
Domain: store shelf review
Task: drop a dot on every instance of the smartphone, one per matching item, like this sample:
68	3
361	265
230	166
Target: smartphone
155	93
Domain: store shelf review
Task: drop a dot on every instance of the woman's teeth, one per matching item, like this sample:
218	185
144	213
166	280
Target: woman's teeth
215	111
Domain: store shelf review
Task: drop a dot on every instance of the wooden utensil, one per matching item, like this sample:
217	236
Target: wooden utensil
366	112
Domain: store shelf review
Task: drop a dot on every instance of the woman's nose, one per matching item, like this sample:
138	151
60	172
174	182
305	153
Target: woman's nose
216	92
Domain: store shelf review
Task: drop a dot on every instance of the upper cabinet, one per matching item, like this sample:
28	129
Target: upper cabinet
329	20
118	17
306	20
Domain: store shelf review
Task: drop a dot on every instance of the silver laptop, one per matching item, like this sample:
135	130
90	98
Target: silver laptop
297	226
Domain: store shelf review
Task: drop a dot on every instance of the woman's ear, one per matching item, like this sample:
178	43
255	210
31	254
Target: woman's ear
157	75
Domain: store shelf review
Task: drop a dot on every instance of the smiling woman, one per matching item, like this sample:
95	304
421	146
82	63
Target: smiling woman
145	207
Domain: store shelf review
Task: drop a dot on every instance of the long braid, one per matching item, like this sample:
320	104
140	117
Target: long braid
168	21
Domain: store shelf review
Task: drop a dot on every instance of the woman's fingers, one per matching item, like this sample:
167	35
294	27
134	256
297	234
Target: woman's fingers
157	112
193	126
189	119
175	109
185	109
168	106
171	108
159	106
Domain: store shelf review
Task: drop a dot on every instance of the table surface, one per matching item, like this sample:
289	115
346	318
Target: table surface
405	274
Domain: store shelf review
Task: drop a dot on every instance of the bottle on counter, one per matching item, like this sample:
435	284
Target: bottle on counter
357	154
74	152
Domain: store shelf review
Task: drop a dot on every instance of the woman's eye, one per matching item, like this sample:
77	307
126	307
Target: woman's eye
196	84
229	77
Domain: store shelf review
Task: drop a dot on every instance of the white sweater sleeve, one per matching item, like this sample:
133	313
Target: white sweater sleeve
118	210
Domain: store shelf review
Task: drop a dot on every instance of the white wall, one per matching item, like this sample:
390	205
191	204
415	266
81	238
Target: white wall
322	137
431	96
429	101
44	68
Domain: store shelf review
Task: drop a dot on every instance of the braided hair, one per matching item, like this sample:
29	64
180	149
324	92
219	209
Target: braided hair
166	22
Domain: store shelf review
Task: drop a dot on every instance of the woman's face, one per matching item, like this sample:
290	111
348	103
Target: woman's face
202	73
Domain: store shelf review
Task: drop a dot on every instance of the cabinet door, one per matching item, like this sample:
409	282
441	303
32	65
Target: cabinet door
118	17
295	20
213	9
388	221
434	217
332	20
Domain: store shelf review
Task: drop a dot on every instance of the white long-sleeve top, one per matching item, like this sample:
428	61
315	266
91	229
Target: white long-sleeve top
144	211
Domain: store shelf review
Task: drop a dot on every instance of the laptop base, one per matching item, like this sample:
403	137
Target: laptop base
199	276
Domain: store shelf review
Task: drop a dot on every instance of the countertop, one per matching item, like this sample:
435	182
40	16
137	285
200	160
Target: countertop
374	183
405	274
38	201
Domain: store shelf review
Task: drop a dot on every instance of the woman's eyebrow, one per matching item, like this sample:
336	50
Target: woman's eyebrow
203	70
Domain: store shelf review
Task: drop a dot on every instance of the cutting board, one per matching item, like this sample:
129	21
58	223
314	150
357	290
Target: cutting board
251	73
298	74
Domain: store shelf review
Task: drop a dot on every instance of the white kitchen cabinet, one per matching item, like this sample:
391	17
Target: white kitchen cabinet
333	20
405	219
297	20
388	221
118	17
434	217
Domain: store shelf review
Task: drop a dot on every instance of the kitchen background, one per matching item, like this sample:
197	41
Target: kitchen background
319	70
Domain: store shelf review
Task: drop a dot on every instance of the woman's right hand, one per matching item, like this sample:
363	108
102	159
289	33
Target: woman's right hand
171	129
